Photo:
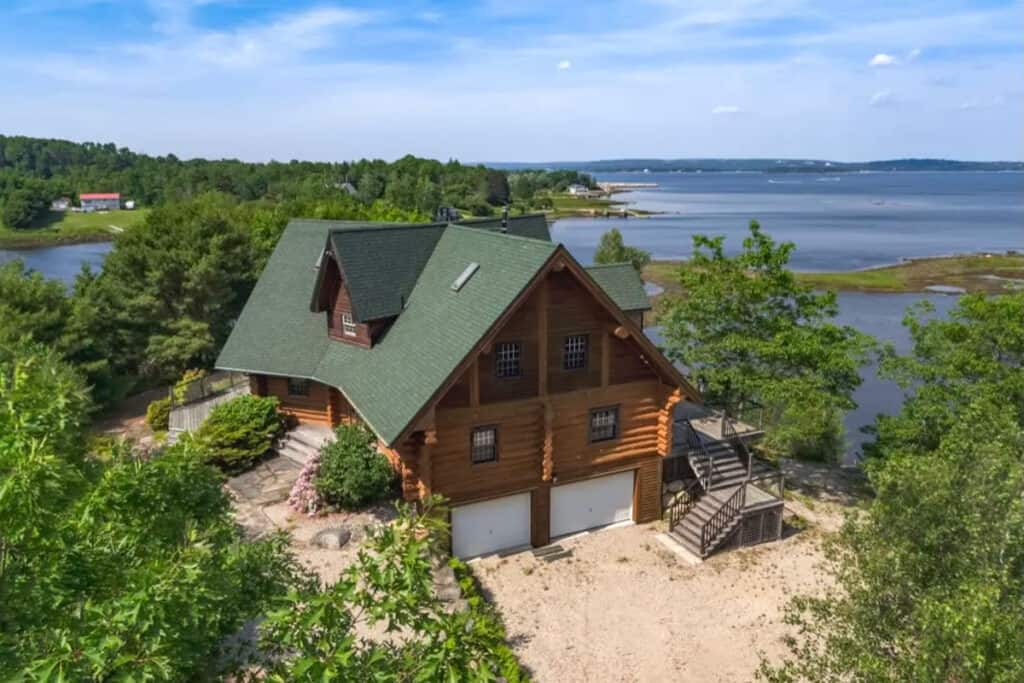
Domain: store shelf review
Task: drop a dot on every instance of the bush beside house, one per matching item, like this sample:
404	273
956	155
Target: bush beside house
239	432
353	473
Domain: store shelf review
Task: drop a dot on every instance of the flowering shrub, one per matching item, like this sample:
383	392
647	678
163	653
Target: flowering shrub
304	497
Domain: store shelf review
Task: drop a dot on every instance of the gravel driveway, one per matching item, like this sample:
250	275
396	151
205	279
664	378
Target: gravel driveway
625	608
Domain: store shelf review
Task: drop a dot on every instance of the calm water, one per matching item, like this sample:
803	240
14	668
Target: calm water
838	222
61	263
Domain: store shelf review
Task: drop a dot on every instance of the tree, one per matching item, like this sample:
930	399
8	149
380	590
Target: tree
23	207
612	249
929	581
171	288
981	342
31	305
749	331
316	634
113	569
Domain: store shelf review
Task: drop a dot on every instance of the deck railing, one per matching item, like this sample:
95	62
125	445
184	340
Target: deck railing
772	483
723	518
693	448
205	387
733	438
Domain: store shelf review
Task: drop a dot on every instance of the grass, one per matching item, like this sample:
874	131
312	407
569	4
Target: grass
567	205
72	228
973	272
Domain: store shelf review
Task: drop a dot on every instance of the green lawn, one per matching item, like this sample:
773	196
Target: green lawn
73	227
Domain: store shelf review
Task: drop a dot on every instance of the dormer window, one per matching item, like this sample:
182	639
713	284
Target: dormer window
348	325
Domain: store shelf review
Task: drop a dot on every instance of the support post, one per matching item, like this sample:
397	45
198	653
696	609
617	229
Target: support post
606	358
542	339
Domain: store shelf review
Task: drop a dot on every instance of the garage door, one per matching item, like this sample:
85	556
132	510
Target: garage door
491	526
591	503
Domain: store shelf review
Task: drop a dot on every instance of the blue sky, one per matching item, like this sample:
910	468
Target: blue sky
522	80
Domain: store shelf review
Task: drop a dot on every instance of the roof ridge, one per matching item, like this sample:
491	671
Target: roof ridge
498	233
371	226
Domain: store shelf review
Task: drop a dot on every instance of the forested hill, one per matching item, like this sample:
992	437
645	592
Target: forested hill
767	165
33	171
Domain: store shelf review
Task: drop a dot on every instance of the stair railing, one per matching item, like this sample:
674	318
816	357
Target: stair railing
722	519
730	436
683	502
696	453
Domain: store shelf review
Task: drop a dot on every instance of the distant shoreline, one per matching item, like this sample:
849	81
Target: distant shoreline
982	272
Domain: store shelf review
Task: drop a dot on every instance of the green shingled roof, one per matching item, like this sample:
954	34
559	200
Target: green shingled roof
394	270
622	284
533	225
391	382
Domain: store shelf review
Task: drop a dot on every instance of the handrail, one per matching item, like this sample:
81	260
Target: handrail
722	517
683	504
696	453
730	436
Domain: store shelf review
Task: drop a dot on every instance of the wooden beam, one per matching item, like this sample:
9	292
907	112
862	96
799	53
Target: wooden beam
542	339
606	359
474	383
548	453
426	463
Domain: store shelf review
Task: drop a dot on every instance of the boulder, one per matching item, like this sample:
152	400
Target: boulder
332	539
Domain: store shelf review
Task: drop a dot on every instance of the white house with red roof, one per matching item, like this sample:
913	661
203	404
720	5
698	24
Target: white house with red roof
100	201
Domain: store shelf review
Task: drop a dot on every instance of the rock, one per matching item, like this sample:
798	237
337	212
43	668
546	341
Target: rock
445	576
332	539
449	594
676	486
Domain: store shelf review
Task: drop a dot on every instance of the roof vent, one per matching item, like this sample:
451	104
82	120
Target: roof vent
461	280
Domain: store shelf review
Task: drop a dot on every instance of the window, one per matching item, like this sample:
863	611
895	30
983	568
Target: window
604	424
507	356
574	352
348	325
298	387
483	445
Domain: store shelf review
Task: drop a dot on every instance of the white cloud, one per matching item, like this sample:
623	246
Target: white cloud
882	98
882	59
996	101
564	65
726	109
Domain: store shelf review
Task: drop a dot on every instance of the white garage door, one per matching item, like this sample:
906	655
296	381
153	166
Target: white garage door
490	526
591	503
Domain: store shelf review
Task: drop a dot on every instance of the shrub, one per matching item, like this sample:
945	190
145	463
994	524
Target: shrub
158	414
182	385
353	472
239	432
304	498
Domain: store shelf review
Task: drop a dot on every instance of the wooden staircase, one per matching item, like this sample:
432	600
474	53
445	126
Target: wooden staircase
713	509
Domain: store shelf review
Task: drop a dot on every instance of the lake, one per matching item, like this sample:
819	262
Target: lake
61	263
838	222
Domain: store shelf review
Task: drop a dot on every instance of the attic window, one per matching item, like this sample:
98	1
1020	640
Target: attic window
461	280
348	325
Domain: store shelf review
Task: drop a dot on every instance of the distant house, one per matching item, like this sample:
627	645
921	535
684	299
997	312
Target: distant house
60	204
129	204
578	190
100	201
348	188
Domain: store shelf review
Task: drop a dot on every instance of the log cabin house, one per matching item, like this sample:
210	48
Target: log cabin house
494	369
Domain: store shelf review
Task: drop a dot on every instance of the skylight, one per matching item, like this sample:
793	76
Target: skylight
461	280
